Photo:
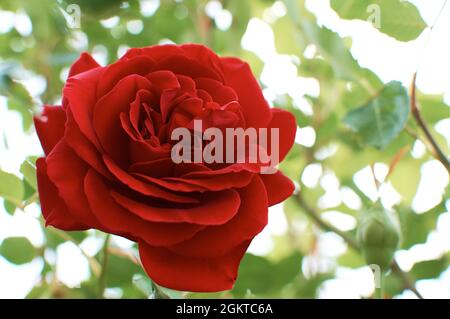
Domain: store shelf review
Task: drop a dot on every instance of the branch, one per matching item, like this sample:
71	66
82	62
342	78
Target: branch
314	215
435	149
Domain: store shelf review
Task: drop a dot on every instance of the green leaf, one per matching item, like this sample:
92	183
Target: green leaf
13	89
307	288
9	207
285	33
143	283
40	290
17	250
380	120
351	259
53	240
121	271
406	177
19	98
329	44
29	191
396	18
23	110
416	227
11	187
429	269
276	275
28	169
393	284
433	108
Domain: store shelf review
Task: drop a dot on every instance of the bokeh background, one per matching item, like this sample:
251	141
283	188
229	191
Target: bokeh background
330	62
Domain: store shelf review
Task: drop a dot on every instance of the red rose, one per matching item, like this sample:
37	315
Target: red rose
108	161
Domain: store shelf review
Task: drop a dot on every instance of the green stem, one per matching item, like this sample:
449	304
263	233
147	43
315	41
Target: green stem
379	292
102	277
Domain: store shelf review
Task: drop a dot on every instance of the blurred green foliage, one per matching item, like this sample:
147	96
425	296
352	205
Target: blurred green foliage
363	120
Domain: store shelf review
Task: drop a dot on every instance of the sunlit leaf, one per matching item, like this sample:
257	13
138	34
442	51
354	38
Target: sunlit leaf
121	271
429	269
17	250
380	120
396	18
28	170
11	187
416	227
253	268
329	44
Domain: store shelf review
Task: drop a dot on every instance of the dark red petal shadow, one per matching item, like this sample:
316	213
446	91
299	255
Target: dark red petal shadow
215	208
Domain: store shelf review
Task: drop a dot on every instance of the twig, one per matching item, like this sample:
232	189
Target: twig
394	162
435	149
124	254
311	212
406	279
433	25
314	215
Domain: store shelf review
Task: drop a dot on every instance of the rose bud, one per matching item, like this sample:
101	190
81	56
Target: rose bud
378	236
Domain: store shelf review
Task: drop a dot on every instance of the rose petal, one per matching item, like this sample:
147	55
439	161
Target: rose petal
106	116
160	167
278	187
83	147
156	52
54	209
239	76
215	208
181	64
50	127
220	93
114	217
114	73
248	222
66	170
84	63
203	55
136	111
165	167
80	94
163	80
210	183
145	188
191	274
287	126
141	151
